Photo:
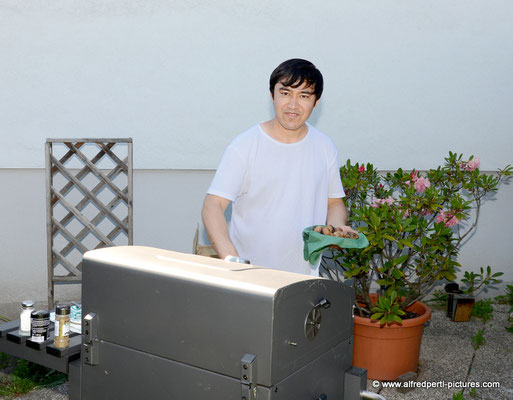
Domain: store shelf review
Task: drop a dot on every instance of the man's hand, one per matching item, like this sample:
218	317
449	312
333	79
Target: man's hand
337	214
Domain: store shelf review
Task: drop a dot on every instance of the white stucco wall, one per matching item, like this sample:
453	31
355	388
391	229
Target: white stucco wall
406	81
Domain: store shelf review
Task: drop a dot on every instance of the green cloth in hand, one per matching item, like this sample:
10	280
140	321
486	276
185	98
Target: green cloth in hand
315	243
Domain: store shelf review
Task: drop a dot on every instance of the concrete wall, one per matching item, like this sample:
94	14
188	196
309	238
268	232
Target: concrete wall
167	205
406	81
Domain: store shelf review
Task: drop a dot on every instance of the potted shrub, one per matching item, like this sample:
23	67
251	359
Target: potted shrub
415	223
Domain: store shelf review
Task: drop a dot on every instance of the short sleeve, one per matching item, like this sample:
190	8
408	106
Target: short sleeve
229	179
335	189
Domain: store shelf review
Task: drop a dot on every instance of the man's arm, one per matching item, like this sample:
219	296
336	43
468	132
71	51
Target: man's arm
337	214
216	227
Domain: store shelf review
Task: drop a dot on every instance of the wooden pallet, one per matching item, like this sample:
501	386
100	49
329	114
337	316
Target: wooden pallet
90	168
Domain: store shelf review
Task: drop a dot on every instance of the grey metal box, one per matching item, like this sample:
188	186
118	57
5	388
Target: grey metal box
170	325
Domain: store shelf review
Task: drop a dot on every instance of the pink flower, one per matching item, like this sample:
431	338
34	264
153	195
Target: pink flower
406	214
471	165
414	176
453	221
361	169
377	202
441	217
447	218
421	184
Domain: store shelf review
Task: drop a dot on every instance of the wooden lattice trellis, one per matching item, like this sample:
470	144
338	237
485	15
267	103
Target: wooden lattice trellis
88	202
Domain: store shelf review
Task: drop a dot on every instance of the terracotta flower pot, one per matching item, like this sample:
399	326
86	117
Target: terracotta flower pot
389	351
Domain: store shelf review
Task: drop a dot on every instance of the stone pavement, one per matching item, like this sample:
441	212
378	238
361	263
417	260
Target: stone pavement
447	357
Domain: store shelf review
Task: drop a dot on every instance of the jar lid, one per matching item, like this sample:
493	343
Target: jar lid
62	309
40	314
27	303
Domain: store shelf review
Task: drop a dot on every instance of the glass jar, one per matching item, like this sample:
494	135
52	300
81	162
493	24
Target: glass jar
62	312
27	307
40	324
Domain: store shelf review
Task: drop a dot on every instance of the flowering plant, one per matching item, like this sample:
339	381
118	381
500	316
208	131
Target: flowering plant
415	223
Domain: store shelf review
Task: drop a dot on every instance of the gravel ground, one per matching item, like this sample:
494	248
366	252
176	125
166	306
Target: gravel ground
446	356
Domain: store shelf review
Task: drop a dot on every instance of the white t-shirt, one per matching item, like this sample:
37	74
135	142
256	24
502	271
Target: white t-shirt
277	190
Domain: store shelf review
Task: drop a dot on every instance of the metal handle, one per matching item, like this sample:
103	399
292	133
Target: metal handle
237	259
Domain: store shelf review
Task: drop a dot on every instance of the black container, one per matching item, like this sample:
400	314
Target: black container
40	326
451	289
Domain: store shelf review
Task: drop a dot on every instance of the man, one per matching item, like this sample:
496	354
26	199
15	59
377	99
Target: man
281	177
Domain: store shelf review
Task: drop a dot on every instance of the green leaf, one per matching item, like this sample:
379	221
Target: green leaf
375	220
385	282
402	259
396	318
397	273
376	316
406	242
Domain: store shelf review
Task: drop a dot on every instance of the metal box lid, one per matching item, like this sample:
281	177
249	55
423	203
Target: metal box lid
209	313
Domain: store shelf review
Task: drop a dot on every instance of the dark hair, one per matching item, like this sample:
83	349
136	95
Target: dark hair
294	72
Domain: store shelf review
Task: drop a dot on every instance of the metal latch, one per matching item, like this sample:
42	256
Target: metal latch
90	344
324	303
248	377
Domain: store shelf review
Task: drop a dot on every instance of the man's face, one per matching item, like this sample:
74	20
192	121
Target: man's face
293	106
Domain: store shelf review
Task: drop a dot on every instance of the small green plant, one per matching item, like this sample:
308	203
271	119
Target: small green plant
483	309
40	375
472	392
388	310
477	281
14	386
506	298
4	360
439	298
458	396
478	339
27	376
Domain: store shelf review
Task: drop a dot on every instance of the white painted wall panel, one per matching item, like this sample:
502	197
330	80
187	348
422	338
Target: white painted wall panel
406	81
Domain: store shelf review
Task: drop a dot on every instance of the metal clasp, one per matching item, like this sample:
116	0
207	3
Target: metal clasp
248	377
90	344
